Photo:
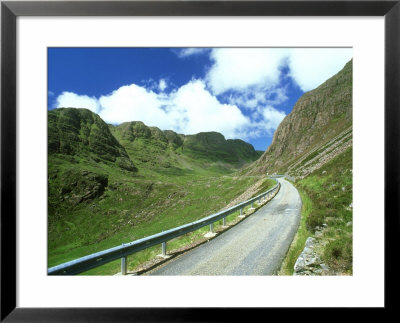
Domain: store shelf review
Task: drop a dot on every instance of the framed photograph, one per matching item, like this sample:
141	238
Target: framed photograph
37	43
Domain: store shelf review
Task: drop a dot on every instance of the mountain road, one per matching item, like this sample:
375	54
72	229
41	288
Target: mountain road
255	246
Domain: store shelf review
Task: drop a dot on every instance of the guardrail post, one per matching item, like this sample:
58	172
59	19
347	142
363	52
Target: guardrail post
241	213
164	248
211	233
224	221
123	266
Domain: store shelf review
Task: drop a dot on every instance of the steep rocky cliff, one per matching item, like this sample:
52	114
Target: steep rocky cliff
317	118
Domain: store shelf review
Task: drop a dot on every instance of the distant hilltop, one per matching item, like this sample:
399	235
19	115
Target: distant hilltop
80	132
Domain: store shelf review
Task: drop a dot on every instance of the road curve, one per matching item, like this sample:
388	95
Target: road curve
255	246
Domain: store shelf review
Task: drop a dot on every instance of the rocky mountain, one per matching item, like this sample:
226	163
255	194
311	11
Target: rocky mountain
318	129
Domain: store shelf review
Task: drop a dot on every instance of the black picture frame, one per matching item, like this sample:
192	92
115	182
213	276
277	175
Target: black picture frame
10	10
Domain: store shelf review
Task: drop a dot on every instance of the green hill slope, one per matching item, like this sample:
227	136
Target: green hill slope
166	151
82	153
79	132
327	214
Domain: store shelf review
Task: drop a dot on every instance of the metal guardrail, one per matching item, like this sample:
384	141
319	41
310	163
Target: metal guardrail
102	257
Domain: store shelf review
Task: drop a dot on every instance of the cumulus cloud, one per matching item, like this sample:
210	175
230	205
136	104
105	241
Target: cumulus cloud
131	103
241	68
201	111
310	67
271	117
73	100
238	69
190	109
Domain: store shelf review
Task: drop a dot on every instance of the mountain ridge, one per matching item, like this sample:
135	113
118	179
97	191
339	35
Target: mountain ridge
79	131
205	147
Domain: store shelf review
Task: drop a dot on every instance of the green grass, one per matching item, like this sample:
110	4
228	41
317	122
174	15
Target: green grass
326	195
265	186
297	246
133	205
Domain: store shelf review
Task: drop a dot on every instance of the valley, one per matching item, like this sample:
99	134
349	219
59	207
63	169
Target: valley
98	200
112	184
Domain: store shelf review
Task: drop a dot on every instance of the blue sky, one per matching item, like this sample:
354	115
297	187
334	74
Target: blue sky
241	92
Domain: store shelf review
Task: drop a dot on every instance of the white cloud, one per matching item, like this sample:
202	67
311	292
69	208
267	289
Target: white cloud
201	111
132	103
162	85
265	119
241	68
253	98
70	99
277	96
310	67
272	117
185	52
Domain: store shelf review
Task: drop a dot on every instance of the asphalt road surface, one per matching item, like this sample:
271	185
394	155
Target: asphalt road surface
255	246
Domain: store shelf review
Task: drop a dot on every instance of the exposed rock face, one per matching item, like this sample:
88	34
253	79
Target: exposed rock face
309	262
317	117
321	155
80	186
174	139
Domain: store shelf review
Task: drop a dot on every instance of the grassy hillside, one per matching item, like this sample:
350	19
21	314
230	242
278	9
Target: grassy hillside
172	153
110	185
327	215
79	133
